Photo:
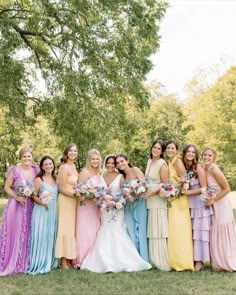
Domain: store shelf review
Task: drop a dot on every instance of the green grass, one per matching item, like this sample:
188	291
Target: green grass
151	282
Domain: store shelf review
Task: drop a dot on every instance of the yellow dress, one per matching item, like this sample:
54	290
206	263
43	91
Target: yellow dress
66	242
180	245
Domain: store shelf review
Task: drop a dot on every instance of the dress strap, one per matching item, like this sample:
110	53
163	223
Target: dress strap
173	161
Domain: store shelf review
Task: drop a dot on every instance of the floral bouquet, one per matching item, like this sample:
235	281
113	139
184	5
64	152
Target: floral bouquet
109	202
169	190
45	197
85	190
186	179
134	188
207	194
24	190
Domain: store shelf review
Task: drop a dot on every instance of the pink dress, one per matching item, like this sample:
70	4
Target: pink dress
87	225
222	232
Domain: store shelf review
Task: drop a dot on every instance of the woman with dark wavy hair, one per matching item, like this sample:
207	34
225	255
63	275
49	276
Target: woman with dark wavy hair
135	214
180	245
44	219
157	229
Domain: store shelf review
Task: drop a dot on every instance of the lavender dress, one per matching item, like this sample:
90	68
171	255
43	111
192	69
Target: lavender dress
15	228
201	222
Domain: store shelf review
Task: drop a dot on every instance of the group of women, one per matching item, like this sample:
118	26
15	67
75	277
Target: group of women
37	236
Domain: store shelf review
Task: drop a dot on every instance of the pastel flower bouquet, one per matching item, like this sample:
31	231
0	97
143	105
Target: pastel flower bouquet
25	189
134	188
207	194
109	202
85	190
45	197
186	179
169	190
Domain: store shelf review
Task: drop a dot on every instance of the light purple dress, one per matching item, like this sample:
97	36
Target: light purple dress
15	228
201	222
223	231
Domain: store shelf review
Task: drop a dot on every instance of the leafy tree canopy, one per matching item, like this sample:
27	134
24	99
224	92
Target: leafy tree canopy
92	55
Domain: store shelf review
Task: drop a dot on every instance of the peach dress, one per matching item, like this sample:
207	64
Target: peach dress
66	242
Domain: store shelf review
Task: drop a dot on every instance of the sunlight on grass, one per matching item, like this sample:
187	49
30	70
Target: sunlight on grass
151	282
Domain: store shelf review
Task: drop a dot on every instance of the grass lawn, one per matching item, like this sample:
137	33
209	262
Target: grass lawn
137	283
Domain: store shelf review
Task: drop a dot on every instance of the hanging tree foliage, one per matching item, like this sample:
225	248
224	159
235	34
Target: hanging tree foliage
91	54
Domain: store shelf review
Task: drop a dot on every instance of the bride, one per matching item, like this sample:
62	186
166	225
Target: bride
113	250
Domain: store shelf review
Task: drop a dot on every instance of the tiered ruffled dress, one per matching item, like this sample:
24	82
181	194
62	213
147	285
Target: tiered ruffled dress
180	244
223	231
136	225
15	228
87	225
201	222
157	229
43	233
114	250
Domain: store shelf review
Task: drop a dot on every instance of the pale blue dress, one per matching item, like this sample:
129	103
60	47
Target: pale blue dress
43	233
136	225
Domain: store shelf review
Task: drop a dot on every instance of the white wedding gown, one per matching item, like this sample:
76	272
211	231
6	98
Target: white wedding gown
114	250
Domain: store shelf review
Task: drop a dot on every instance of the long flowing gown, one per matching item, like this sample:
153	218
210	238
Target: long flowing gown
15	228
201	222
222	232
180	245
136	225
43	233
87	225
66	242
114	250
157	229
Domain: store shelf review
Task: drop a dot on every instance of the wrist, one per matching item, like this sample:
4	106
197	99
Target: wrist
15	197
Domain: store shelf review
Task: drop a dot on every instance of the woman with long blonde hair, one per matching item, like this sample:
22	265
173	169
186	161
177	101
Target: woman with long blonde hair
223	228
88	215
15	228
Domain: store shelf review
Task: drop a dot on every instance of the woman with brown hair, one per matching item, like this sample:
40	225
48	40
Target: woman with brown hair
200	216
180	245
67	177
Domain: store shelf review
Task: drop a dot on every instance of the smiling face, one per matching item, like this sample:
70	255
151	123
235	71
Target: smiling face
27	159
72	153
110	165
208	157
94	161
171	150
156	151
122	163
190	153
48	166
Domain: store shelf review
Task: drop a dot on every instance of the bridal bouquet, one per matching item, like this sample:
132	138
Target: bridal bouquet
45	197
169	190
24	190
186	179
207	194
109	202
85	190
